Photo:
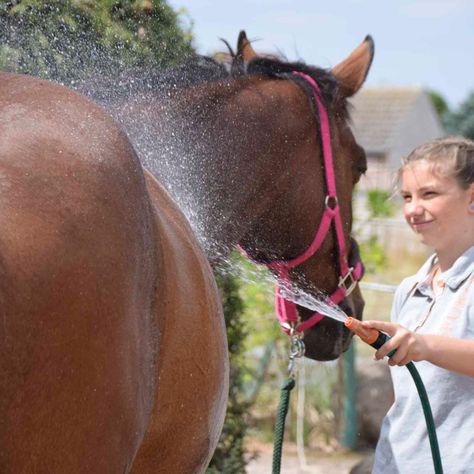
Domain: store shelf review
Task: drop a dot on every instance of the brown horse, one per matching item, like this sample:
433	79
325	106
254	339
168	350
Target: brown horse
113	354
240	151
112	343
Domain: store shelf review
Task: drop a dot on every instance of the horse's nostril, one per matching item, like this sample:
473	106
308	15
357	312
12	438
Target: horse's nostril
344	305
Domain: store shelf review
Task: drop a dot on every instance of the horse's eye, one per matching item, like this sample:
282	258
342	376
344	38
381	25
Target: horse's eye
361	160
362	167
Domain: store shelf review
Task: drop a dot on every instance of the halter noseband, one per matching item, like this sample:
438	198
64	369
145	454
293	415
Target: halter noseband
286	311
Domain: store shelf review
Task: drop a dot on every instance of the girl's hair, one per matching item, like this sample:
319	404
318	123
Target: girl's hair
449	157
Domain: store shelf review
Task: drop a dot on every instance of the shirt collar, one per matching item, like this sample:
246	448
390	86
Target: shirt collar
424	276
462	268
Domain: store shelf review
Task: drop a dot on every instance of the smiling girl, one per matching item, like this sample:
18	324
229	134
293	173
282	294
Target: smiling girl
433	315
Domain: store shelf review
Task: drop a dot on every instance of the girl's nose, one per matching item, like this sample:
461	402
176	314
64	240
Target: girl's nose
413	208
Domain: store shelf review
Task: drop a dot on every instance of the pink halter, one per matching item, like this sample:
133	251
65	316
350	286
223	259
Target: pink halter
286	310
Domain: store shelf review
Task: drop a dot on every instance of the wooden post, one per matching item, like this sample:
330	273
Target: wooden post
348	435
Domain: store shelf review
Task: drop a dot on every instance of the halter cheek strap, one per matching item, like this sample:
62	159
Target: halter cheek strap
286	310
349	276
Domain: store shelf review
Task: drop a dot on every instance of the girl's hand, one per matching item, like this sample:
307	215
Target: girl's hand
409	345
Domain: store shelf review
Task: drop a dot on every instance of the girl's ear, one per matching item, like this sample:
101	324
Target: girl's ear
471	201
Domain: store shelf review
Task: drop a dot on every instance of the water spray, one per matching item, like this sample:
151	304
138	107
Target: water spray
376	339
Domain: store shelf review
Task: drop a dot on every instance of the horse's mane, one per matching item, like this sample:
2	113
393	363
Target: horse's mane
197	69
276	68
203	69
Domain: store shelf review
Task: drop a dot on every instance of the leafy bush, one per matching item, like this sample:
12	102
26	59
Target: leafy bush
69	40
229	455
379	204
373	255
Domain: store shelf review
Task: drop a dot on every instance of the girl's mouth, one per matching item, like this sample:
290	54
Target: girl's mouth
420	225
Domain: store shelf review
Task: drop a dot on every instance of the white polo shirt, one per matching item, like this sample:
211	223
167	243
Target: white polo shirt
403	445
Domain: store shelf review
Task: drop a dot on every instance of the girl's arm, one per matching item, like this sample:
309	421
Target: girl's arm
446	352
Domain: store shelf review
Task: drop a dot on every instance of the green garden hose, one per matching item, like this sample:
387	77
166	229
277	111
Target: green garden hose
438	467
377	339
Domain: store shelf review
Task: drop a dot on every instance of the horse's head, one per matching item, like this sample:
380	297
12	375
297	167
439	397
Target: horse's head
240	149
304	235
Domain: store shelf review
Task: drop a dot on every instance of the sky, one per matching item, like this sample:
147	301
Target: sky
428	43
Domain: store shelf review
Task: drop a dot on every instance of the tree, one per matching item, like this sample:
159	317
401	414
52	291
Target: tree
461	121
70	40
440	105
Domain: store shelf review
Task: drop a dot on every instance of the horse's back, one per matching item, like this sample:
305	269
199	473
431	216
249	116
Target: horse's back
77	282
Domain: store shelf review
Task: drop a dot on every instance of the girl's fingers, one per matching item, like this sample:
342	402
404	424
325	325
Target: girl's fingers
401	340
402	354
398	357
396	344
405	361
388	347
384	326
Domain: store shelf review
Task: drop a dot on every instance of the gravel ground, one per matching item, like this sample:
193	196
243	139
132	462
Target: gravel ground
316	463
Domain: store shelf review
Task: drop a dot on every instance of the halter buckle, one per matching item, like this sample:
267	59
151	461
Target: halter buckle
348	285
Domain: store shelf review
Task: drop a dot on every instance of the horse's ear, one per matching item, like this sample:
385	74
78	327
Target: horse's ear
245	52
351	72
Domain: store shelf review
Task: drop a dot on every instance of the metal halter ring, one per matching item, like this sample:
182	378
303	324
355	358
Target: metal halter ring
297	347
331	202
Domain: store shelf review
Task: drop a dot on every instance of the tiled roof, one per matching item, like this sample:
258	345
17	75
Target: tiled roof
378	113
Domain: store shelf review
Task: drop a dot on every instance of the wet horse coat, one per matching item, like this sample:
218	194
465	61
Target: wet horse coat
101	279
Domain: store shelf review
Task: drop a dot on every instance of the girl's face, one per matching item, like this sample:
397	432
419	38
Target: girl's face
437	208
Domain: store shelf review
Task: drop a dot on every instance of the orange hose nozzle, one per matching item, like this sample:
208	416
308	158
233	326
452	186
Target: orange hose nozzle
368	335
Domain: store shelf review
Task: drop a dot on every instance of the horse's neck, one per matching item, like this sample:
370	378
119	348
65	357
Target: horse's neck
202	168
223	173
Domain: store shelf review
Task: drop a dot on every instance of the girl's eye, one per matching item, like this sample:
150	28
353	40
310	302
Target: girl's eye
429	194
406	197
